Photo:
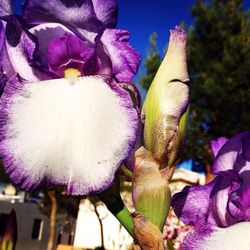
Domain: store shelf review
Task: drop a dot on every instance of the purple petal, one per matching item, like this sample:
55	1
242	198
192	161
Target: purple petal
2	34
106	12
207	204
134	93
6	69
3	80
20	46
191	205
45	33
196	239
217	144
136	99
226	184
239	204
13	30
76	139
79	16
70	52
125	60
5	7
227	199
246	147
230	155
5	64
103	65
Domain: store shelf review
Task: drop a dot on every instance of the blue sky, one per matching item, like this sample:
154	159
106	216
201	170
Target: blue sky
142	18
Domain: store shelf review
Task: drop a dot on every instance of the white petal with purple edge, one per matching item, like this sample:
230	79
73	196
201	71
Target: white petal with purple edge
217	144
18	58
5	7
230	155
125	59
45	33
78	15
230	238
70	132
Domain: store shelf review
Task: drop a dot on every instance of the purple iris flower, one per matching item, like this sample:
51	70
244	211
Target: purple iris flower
220	210
69	113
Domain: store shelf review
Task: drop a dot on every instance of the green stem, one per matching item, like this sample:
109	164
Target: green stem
112	199
125	219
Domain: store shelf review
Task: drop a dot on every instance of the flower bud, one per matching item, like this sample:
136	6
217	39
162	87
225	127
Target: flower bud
165	110
150	190
147	234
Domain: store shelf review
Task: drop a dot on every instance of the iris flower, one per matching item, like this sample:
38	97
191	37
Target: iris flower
220	210
68	111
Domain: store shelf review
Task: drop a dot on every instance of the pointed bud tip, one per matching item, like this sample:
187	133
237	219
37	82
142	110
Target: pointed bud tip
178	35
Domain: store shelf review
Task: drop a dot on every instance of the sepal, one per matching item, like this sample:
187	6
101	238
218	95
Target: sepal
150	189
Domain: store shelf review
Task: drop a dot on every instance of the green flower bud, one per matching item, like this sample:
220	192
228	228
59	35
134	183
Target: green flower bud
165	109
150	189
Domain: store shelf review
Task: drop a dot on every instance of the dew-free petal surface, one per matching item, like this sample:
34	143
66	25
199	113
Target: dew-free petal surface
66	132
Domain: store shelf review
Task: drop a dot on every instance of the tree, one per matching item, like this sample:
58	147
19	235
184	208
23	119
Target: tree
61	209
152	62
219	63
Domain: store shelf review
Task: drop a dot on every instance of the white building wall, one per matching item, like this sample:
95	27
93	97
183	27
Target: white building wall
88	232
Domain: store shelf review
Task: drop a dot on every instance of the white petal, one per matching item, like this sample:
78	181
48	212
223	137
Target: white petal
236	237
75	133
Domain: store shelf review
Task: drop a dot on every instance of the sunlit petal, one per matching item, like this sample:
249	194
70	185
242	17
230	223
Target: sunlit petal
66	132
86	18
230	238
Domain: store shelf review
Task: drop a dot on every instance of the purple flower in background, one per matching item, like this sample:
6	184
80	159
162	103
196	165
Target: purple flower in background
220	210
69	113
